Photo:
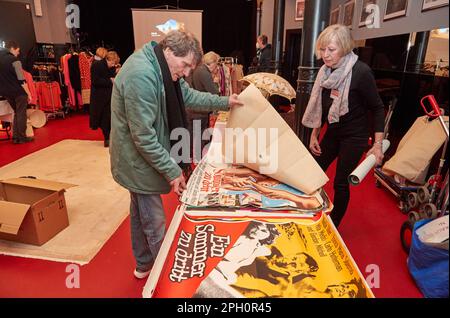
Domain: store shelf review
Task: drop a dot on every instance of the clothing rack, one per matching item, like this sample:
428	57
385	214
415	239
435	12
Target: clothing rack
45	77
54	113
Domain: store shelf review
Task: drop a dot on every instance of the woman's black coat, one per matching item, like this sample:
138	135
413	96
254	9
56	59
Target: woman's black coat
101	89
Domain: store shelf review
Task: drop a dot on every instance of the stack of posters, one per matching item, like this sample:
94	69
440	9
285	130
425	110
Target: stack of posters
227	187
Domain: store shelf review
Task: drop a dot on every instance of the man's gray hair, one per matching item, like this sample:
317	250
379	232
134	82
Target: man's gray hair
182	43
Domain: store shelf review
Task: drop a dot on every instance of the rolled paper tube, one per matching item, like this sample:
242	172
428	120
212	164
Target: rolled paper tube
364	167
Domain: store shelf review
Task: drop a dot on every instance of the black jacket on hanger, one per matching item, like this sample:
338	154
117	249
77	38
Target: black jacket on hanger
74	72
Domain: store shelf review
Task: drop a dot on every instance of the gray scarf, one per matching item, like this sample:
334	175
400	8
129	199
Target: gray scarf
339	83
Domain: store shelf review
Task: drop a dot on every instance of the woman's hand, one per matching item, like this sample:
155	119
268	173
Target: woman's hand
314	145
377	152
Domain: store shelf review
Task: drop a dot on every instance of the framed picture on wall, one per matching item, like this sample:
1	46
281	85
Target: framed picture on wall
367	10
334	15
299	10
349	9
395	9
431	4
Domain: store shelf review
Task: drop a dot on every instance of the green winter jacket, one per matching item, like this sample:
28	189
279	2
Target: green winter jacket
139	140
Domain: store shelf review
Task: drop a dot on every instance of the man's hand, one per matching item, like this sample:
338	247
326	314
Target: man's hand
178	185
234	101
25	87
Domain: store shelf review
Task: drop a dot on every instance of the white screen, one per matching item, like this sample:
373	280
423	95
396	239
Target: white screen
150	24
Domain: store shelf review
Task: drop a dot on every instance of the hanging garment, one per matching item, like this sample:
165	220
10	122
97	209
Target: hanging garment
74	72
222	83
49	96
227	78
85	62
31	87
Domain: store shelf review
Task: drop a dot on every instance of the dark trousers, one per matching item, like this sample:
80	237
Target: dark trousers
105	124
348	151
19	104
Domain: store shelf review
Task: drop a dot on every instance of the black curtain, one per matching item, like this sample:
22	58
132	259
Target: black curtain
228	26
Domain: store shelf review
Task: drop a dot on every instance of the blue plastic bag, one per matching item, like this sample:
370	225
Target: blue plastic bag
429	266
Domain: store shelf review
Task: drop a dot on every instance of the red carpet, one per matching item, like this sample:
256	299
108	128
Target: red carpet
370	230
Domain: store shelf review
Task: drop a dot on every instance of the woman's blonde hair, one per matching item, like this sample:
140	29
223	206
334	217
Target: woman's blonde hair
113	56
210	58
101	52
338	33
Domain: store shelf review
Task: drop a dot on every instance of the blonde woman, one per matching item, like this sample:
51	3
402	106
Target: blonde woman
342	96
102	78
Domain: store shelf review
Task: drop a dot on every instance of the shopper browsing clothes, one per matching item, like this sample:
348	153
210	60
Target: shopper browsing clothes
14	88
343	94
102	78
148	100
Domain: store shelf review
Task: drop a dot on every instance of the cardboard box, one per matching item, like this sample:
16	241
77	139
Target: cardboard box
32	211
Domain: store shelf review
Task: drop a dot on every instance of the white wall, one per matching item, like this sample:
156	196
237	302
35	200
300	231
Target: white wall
51	27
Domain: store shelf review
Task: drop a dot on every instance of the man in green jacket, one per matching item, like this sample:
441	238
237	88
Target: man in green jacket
148	100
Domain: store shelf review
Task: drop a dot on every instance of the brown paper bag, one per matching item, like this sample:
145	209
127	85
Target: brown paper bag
416	149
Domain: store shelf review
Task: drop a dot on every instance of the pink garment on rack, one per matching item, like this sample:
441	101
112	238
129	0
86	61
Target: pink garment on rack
49	96
31	87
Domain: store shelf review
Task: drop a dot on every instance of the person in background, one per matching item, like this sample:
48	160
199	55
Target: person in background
102	78
14	88
263	54
100	53
148	104
342	96
202	80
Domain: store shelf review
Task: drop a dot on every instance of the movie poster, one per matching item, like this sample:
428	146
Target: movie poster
242	257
